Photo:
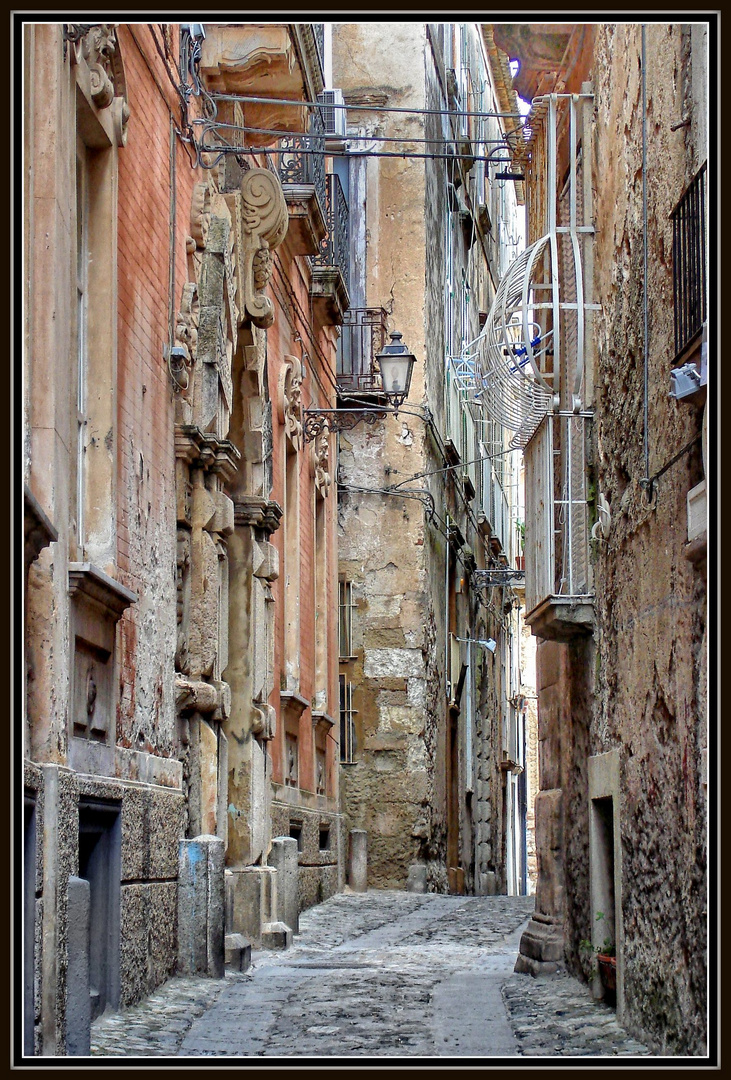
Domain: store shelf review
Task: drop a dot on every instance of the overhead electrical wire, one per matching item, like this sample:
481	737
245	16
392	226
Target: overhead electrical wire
364	108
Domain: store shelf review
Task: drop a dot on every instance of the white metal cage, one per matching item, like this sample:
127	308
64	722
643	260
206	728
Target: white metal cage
532	348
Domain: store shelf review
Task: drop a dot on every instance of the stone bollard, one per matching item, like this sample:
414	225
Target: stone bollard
78	1002
416	878
283	856
358	860
201	895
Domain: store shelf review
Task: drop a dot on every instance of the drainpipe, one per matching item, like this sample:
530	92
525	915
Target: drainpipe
646	482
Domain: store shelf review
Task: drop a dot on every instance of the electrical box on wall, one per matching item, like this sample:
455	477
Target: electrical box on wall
684	381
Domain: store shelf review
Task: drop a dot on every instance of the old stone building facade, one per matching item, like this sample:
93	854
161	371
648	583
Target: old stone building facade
283	635
431	736
617	146
181	674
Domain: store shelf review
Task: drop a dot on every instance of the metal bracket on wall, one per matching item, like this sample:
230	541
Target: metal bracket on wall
486	579
316	421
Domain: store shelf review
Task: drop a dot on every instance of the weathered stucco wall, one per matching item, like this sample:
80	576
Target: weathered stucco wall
651	599
382	538
100	710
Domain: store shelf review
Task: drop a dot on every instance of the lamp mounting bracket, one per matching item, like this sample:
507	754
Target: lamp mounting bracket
486	579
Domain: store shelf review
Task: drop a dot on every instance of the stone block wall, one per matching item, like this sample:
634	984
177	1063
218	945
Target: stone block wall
319	870
651	606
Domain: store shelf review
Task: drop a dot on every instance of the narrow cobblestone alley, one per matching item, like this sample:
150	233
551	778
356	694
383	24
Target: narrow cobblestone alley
378	974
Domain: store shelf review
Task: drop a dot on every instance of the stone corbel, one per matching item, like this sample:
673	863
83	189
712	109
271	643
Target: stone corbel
96	48
211	699
264	721
39	529
290	400
264	221
257	512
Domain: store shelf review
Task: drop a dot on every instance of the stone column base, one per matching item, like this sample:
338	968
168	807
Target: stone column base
541	947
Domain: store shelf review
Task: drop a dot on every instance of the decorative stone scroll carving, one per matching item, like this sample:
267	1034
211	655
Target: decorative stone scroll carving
96	47
321	461
290	399
264	221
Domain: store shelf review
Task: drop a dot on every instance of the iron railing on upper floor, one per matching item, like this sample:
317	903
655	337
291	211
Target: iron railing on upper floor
362	335
689	263
302	160
318	30
335	248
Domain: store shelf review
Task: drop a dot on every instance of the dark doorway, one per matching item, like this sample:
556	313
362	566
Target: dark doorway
100	865
454	871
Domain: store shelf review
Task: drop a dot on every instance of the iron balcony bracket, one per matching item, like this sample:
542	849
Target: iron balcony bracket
486	579
316	421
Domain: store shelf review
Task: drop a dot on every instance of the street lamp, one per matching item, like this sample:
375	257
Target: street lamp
396	365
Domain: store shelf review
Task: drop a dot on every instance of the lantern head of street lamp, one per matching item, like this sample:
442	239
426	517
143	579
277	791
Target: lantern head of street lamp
396	364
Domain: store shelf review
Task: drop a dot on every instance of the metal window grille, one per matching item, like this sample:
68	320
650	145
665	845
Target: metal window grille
362	335
334	250
347	726
689	262
345	589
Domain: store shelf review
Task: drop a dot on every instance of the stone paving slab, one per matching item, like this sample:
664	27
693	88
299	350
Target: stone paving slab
381	974
557	1015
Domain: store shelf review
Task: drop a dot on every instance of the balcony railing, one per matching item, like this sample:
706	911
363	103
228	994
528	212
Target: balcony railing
362	335
318	31
335	250
557	565
689	263
302	161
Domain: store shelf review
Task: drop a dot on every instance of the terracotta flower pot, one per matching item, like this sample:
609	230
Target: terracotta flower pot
608	971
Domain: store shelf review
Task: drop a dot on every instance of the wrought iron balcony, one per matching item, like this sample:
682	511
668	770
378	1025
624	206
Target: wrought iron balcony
318	31
689	263
302	160
330	267
302	173
335	249
363	334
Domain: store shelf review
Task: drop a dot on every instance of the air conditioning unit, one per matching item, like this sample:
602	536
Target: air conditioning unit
333	118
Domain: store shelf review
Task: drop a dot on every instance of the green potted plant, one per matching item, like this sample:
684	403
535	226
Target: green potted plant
605	957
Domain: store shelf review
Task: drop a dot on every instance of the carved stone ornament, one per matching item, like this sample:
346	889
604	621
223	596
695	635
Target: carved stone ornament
186	336
321	461
182	581
97	47
290	399
200	214
263	721
264	221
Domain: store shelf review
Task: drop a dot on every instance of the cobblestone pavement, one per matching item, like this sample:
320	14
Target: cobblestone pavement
377	974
